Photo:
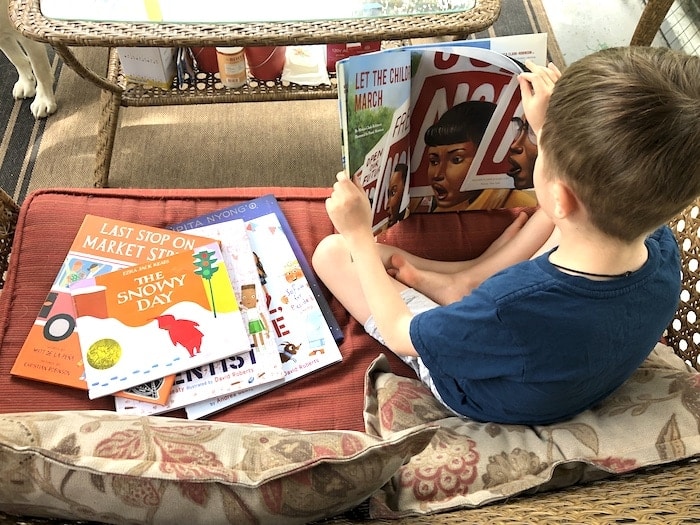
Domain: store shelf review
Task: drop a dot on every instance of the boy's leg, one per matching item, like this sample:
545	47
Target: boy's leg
535	237
333	265
387	252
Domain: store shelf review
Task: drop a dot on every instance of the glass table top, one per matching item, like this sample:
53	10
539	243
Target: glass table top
232	11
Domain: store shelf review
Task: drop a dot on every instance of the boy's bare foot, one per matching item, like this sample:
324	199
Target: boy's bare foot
443	288
450	286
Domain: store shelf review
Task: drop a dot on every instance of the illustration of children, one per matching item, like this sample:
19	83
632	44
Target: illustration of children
93	270
397	193
452	143
74	273
257	326
263	278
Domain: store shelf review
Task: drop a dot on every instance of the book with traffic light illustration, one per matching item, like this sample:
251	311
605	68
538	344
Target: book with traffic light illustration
156	319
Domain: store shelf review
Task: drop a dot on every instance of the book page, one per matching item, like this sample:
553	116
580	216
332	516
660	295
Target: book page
531	46
489	169
464	102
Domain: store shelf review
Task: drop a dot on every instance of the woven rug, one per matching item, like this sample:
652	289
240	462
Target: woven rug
253	144
21	133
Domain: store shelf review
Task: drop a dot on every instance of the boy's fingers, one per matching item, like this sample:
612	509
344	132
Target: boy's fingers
540	84
531	65
341	179
525	86
550	73
537	84
552	67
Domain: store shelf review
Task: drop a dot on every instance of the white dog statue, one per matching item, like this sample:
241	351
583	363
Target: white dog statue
32	64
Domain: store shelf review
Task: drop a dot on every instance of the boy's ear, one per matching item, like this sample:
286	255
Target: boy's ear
564	199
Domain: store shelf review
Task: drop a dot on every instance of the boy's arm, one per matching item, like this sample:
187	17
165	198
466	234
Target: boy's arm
350	213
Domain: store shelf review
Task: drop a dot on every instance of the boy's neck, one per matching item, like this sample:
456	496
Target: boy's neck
597	256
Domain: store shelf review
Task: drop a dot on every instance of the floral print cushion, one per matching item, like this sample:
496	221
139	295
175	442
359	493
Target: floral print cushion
97	466
414	459
653	418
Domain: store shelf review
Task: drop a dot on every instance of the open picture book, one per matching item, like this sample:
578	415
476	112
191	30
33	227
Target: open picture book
439	127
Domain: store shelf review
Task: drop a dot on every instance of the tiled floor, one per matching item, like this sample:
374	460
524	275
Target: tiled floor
582	27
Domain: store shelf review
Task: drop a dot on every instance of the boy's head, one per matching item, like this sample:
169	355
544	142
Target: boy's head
623	132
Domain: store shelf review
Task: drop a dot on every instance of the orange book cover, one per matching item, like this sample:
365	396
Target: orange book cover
51	352
157	318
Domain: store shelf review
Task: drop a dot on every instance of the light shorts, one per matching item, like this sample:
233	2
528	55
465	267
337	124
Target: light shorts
417	303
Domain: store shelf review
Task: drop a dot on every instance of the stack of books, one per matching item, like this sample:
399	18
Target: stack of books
202	315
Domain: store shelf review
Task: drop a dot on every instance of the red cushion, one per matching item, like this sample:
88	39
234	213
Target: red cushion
330	399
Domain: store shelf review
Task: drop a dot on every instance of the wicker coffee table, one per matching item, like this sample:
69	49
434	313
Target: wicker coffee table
62	34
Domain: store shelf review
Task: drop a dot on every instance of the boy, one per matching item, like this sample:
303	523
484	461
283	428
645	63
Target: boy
553	335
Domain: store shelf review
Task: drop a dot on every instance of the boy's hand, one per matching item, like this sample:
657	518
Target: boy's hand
536	88
348	207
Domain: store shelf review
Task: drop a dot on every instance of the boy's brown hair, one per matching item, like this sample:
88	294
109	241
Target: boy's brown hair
623	131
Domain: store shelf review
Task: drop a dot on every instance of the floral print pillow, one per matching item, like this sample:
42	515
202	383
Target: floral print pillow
653	418
98	466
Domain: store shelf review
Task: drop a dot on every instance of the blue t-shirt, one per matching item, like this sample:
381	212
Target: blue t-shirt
534	345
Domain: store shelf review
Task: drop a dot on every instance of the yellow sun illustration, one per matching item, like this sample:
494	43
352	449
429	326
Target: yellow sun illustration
104	354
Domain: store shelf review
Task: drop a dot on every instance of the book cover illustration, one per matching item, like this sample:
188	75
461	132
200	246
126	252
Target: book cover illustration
464	138
374	97
51	351
305	340
260	366
157	318
156	391
258	207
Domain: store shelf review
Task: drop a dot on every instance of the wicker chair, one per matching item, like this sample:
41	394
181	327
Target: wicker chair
9	212
668	494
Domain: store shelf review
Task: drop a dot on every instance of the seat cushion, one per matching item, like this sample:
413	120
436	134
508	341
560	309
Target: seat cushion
92	466
329	399
79	463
